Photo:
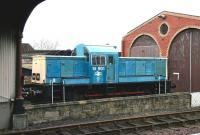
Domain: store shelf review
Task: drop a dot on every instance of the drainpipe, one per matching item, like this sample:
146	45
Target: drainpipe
18	105
190	61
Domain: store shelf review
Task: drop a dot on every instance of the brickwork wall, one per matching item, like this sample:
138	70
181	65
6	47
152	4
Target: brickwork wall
176	24
109	108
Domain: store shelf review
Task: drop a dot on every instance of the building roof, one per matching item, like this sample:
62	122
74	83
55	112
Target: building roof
163	15
27	48
49	52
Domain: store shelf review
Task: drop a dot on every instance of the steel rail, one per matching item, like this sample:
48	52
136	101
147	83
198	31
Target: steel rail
165	119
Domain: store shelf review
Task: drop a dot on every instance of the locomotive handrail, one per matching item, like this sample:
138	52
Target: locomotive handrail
144	58
60	56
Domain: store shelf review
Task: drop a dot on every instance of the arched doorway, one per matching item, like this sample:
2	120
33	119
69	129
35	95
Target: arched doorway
144	46
184	61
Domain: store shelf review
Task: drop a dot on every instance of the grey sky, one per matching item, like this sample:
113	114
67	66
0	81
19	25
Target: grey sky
70	22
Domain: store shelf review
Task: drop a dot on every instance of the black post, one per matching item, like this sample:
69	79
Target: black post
18	105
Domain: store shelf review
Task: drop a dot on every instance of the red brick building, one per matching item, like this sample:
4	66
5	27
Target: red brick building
172	35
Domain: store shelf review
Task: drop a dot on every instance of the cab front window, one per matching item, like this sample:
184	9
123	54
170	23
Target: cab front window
98	60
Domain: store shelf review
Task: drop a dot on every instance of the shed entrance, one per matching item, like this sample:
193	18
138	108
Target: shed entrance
144	46
184	61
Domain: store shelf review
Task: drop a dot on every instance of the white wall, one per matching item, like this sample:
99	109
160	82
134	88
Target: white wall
195	99
7	76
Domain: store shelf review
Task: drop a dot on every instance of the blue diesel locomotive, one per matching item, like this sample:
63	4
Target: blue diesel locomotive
97	71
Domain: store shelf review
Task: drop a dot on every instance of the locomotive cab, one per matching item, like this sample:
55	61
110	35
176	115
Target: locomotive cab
102	60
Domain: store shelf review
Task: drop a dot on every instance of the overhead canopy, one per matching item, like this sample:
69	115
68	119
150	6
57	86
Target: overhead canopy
14	13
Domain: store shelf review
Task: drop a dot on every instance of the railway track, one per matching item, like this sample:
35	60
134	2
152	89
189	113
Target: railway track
133	125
